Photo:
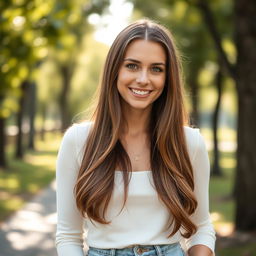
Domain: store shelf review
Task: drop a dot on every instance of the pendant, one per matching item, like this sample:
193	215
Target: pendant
136	158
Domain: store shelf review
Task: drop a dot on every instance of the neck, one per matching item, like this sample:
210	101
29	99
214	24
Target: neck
136	122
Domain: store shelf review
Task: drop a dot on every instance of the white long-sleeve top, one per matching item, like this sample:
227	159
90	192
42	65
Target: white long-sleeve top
144	218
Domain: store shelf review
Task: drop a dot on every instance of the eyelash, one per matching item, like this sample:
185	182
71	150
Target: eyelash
133	66
158	69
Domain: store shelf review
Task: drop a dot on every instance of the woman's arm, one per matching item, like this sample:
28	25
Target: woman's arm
202	243
69	235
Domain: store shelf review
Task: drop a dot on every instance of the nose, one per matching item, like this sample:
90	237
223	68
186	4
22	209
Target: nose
142	77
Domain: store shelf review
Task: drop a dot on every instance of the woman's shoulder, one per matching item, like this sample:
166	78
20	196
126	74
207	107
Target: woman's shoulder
191	133
75	138
83	127
78	128
193	139
78	132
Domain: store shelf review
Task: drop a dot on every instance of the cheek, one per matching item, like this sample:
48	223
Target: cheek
125	77
121	82
160	82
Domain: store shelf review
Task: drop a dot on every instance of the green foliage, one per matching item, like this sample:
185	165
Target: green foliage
29	31
87	66
86	77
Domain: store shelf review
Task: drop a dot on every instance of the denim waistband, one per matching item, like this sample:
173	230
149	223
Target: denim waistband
139	250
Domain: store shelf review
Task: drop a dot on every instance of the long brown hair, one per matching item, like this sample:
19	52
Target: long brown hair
171	167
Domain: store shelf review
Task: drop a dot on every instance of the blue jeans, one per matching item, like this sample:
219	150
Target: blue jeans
140	250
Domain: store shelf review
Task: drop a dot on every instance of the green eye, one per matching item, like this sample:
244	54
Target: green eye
157	69
132	66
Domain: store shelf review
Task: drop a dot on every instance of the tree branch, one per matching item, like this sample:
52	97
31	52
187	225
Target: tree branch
209	20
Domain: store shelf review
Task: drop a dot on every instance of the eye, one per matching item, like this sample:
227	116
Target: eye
157	69
132	66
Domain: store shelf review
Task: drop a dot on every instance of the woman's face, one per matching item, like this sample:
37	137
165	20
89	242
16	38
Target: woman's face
141	77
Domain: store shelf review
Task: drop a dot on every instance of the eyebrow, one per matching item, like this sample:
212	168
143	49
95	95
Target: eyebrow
137	61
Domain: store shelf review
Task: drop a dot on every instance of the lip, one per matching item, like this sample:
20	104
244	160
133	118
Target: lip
138	95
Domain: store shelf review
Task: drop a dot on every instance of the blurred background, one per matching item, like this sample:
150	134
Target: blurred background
51	56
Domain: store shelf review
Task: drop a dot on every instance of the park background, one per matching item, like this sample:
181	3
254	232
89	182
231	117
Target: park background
51	56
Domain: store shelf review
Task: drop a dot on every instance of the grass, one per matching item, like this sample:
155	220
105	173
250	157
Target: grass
25	178
221	190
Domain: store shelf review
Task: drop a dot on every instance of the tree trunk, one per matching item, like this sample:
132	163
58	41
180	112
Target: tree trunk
65	118
194	117
3	163
245	185
245	78
42	132
20	114
32	113
216	170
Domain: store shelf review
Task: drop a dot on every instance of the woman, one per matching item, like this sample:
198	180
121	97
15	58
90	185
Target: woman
136	174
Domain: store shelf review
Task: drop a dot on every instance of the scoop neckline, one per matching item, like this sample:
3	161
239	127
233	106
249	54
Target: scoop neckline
143	171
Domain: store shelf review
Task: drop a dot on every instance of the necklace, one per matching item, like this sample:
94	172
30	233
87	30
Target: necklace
137	157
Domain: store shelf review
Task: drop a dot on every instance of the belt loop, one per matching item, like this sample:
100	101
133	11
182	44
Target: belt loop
158	250
113	252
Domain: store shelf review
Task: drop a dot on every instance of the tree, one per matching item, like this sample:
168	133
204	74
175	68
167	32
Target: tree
32	96
15	61
245	79
20	114
28	31
245	185
216	170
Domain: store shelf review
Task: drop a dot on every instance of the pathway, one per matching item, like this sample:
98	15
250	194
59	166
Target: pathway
31	230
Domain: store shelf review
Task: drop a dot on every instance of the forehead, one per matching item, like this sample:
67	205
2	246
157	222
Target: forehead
141	49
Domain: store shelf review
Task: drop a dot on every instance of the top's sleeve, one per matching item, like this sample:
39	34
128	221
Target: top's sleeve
69	235
205	234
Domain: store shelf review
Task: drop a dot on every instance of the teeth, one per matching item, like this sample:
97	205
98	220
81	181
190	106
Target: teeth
140	92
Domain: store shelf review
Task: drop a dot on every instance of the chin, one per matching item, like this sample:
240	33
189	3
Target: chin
140	107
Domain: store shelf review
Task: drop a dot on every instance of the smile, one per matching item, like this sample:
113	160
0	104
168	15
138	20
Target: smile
140	92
